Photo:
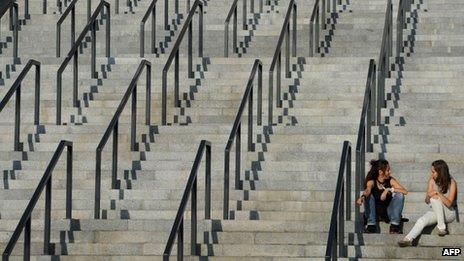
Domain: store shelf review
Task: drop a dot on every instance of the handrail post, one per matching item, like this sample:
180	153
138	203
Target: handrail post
278	81
244	22
134	119
17	145
93	72
73	26
208	183
37	95
153	29
200	32
294	31
108	31
260	95
48	209
164	98
226	184
75	78
341	223
287	51
58	97
89	9
348	185
189	52
98	159
234	31
271	98
238	146
250	121
27	240
69	181
114	161
176	79
15	31
142	40
226	40
148	94
193	219
166	15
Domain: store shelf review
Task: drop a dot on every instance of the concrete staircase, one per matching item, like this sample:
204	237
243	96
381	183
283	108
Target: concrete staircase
282	209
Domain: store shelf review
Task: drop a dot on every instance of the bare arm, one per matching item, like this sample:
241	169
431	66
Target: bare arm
448	201
430	191
397	186
366	192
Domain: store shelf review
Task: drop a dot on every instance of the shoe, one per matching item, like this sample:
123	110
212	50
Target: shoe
395	229
442	232
405	242
370	229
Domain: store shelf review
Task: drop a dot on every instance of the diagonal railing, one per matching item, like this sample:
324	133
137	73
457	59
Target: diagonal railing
233	12
73	55
16	89
236	133
45	183
191	192
14	23
174	56
113	129
176	10
276	63
318	22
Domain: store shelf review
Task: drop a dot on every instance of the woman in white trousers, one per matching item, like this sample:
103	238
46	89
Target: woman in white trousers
441	196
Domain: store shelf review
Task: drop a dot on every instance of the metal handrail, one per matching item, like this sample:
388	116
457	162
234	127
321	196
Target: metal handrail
73	53
151	10
404	6
336	236
45	183
386	52
175	55
235	133
71	9
13	8
113	127
277	58
233	11
191	188
16	89
370	114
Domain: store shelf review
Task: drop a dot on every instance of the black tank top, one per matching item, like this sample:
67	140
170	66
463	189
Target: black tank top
377	192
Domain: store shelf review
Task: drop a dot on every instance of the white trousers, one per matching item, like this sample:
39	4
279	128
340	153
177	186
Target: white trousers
439	214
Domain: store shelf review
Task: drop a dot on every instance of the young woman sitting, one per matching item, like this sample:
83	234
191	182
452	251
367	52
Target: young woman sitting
441	197
383	197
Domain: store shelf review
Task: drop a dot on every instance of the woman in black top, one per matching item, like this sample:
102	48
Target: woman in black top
383	196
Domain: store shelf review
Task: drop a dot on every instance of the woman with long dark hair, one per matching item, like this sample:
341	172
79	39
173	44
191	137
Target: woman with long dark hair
441	196
383	197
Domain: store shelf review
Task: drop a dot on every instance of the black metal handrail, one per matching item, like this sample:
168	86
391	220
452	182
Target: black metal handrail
235	133
191	188
45	183
336	236
233	11
404	6
13	8
71	9
370	114
73	53
188	24
16	89
113	127
277	58
150	11
386	52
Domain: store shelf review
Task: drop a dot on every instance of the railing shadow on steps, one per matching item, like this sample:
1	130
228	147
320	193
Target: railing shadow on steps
113	128
16	89
174	56
370	107
234	12
14	23
236	132
73	54
277	58
191	189
45	183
